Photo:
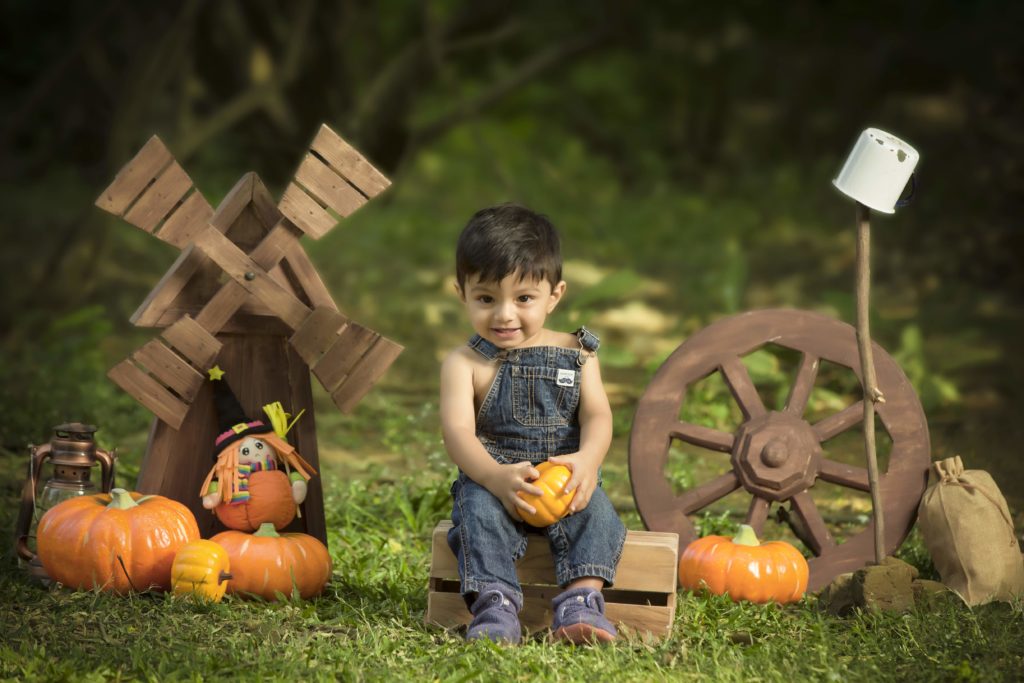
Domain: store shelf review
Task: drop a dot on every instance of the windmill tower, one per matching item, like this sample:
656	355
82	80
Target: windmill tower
243	295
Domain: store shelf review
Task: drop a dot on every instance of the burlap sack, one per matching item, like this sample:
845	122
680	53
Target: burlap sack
967	528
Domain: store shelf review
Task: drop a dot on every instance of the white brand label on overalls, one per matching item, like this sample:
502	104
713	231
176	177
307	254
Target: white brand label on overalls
566	378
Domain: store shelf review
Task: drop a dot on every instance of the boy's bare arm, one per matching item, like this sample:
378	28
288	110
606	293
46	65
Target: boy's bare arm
458	425
595	436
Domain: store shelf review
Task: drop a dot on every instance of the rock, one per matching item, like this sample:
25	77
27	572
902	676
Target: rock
837	597
885	587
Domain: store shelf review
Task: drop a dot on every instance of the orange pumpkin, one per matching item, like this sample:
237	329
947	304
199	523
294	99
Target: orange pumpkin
117	542
270	500
267	563
744	568
553	503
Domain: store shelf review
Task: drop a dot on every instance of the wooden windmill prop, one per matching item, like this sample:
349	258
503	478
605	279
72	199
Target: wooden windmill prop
243	295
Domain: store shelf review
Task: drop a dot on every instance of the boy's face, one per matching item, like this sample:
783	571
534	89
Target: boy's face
512	312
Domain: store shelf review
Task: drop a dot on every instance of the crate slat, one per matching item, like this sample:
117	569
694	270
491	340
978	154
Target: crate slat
643	597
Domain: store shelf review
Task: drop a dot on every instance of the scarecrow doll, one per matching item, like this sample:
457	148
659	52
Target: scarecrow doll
257	476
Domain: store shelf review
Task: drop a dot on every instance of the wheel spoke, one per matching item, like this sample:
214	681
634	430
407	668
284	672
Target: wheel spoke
704	437
706	494
818	538
742	388
802	385
757	513
845	475
838	423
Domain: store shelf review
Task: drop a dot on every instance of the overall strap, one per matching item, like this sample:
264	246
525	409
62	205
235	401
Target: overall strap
483	347
589	343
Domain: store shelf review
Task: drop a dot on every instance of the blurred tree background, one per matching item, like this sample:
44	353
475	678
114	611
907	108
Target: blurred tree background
685	149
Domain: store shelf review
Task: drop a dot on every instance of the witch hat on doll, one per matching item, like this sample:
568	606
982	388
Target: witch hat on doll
232	422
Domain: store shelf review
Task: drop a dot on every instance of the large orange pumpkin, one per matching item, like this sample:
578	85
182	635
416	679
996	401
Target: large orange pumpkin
744	568
118	542
267	563
270	500
553	503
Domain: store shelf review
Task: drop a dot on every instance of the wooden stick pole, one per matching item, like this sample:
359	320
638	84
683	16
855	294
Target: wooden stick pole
869	382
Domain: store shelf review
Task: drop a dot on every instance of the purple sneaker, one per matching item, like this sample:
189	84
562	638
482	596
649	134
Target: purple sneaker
579	617
495	615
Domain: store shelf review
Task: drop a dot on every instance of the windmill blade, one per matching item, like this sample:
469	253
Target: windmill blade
333	181
345	357
153	193
163	374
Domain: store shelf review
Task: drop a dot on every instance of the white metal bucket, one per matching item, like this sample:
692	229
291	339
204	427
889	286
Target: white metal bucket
877	170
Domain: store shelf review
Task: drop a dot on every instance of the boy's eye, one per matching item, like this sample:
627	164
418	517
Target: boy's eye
485	299
525	298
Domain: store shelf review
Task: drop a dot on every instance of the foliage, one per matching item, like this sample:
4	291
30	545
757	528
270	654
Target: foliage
61	377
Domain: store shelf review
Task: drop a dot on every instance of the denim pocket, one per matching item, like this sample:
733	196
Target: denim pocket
539	399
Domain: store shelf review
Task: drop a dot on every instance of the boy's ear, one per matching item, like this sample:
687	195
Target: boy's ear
557	292
462	294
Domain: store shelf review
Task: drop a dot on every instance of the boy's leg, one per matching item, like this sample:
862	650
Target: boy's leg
586	548
487	543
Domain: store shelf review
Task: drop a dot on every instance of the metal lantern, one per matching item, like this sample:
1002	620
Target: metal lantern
72	452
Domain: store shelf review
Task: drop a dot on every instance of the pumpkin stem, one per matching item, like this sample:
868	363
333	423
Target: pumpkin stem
121	500
266	530
746	536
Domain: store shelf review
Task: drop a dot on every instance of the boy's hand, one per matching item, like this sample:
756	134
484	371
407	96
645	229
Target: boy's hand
506	480
584	478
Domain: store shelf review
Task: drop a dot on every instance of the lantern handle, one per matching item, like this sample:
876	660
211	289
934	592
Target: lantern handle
39	454
108	462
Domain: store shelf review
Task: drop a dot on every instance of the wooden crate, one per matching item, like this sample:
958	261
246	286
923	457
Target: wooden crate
643	598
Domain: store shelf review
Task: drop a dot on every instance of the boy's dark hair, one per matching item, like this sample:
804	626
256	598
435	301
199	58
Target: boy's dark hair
506	239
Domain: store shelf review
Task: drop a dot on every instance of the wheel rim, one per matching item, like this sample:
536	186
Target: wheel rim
776	456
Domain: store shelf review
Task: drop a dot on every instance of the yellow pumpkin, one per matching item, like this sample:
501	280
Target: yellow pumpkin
744	568
201	568
553	503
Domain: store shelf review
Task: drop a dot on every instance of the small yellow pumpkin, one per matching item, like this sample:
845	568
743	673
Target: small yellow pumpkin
201	568
553	503
744	568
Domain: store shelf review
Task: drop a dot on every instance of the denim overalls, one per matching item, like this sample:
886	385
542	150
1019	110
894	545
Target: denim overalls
531	412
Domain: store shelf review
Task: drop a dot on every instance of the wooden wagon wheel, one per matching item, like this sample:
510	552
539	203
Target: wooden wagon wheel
777	456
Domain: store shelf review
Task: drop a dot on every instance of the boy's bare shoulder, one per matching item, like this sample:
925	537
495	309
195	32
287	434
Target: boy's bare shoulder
563	339
460	356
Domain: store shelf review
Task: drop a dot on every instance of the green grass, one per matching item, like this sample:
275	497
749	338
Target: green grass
368	625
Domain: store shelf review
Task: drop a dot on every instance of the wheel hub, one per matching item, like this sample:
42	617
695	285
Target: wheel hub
776	455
